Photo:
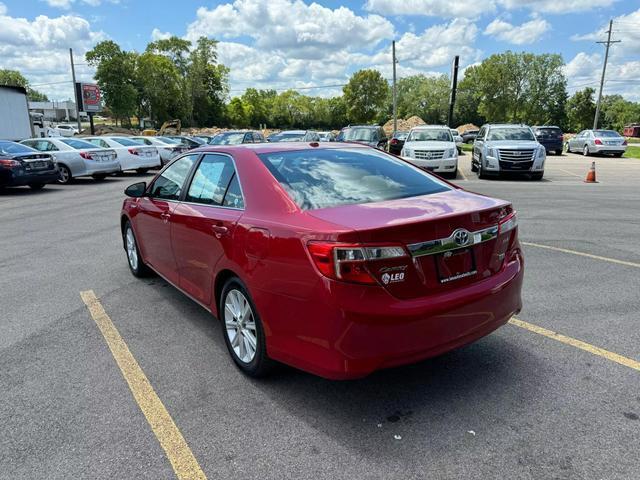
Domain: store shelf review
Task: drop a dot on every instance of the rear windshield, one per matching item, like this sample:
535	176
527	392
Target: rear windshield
548	131
357	134
606	133
127	142
511	133
227	139
168	140
10	148
288	137
322	178
430	135
77	144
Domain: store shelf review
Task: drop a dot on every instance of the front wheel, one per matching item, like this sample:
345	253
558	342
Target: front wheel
136	265
537	176
481	173
243	331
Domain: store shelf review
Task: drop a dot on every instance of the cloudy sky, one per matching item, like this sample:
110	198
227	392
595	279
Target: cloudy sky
300	44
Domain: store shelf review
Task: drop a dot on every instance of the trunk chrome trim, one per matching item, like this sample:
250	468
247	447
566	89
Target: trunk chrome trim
460	238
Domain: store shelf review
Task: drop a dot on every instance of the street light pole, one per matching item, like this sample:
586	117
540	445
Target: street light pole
73	76
604	70
395	94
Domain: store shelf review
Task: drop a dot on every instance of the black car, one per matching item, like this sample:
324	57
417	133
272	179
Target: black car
397	142
551	137
469	136
22	165
372	135
237	137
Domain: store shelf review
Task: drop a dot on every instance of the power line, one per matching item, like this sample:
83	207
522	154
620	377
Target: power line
608	43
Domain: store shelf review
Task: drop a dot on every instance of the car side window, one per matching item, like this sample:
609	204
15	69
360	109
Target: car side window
233	197
51	147
258	138
211	180
248	138
169	184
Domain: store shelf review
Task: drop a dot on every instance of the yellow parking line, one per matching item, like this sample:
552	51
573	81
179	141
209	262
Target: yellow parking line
587	347
182	460
582	254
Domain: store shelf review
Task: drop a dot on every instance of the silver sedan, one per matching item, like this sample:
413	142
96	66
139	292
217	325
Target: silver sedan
590	142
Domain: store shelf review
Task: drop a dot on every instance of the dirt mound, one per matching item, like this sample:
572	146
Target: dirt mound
467	126
403	125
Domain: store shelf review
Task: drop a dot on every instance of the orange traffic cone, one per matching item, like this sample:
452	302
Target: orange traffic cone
591	174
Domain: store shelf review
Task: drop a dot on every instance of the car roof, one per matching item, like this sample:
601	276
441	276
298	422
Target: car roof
430	127
260	148
506	125
295	131
545	126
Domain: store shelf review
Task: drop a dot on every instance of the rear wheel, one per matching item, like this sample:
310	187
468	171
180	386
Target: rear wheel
142	170
474	167
64	174
243	331
585	151
136	265
99	176
36	186
559	152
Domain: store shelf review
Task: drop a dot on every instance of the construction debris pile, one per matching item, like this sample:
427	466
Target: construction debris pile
403	125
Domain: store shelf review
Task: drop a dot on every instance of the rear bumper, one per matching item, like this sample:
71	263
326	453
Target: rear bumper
16	179
352	331
608	148
552	146
97	168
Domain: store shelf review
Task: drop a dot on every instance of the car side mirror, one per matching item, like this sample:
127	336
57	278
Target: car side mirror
136	190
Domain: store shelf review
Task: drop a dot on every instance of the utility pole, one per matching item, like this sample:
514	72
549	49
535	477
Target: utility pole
454	88
73	76
395	94
604	70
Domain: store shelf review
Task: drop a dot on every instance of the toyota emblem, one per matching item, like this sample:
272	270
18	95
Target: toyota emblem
461	237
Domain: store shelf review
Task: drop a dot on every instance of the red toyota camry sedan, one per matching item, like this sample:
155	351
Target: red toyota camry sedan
337	259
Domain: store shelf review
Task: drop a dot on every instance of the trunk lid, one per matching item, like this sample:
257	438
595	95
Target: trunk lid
420	225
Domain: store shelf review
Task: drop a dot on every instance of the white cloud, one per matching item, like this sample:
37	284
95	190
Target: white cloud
39	49
477	8
3	9
584	70
625	28
303	30
528	32
66	4
432	8
156	34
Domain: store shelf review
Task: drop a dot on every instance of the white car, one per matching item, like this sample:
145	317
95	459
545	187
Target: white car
77	158
458	139
66	130
131	154
432	147
167	148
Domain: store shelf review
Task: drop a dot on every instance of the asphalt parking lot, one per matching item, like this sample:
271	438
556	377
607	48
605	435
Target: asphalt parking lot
517	404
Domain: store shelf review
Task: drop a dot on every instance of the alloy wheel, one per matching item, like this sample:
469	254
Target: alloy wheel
132	251
240	326
64	173
585	151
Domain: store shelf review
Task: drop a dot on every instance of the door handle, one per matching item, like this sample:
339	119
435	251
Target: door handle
165	216
219	230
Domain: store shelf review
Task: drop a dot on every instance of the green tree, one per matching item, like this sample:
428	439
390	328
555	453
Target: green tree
175	48
518	87
426	97
161	86
365	96
15	79
238	113
116	75
581	110
618	112
261	106
207	82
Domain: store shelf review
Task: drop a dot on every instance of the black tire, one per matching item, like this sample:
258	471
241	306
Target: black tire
474	167
99	176
65	174
537	176
142	170
260	365
568	148
559	152
618	154
454	174
481	173
36	186
138	268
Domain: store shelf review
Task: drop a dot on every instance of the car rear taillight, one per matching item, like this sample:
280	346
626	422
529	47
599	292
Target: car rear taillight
347	262
134	151
598	141
86	155
394	141
9	163
508	223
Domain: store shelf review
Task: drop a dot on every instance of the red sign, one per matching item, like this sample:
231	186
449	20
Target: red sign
89	97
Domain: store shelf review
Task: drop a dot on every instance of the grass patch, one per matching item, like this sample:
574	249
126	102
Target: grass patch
467	147
633	151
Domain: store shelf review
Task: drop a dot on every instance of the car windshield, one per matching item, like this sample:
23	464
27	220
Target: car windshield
168	140
77	144
11	148
322	178
289	137
355	134
127	142
606	133
227	139
511	133
401	135
430	135
548	131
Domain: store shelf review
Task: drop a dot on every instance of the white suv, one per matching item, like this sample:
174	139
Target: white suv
433	148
